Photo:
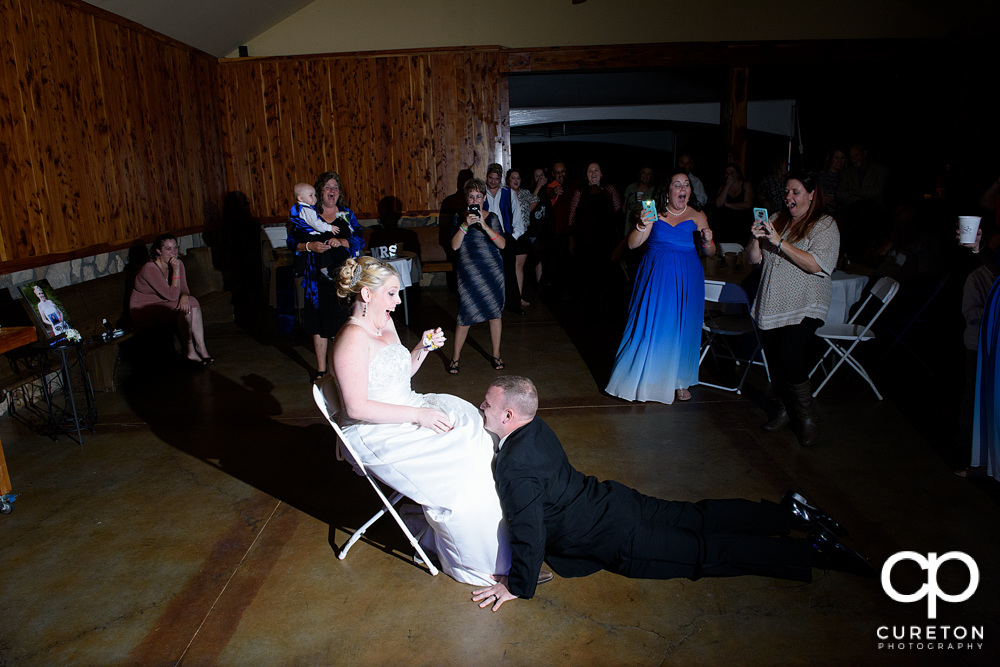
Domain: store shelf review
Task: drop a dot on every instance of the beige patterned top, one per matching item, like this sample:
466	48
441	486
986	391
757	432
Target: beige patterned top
787	294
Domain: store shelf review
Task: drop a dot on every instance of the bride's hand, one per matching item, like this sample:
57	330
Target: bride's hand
435	420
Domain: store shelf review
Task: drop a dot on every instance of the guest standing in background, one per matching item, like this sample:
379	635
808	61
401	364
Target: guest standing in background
798	249
658	355
771	191
525	202
829	178
733	204
477	241
698	195
560	191
500	200
634	194
593	217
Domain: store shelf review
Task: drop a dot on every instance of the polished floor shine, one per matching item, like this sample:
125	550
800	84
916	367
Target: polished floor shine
199	525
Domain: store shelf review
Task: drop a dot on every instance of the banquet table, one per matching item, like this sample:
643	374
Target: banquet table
847	291
407	265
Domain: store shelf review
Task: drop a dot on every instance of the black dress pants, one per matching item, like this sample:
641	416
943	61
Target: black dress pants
712	538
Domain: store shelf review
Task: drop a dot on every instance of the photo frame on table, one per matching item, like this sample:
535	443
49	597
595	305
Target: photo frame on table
47	312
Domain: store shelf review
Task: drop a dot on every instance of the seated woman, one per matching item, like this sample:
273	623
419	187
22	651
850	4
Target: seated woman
160	296
431	447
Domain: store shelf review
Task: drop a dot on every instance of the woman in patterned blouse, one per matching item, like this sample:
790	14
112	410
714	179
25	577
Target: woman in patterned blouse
798	249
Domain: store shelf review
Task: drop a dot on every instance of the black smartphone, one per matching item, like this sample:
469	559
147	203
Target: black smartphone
474	209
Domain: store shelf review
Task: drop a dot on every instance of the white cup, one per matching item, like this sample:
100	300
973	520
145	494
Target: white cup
968	225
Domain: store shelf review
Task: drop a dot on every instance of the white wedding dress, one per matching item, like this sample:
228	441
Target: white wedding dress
450	474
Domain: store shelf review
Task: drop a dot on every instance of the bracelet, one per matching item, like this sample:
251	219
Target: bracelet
708	245
307	246
779	245
641	229
465	230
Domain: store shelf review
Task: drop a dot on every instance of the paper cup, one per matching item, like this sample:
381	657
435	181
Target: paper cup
968	225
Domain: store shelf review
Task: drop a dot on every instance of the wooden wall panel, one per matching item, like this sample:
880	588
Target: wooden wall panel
399	124
108	133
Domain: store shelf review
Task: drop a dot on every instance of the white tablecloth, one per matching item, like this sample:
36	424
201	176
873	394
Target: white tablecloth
407	264
847	290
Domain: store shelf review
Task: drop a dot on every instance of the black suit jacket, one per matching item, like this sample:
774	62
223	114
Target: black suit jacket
556	513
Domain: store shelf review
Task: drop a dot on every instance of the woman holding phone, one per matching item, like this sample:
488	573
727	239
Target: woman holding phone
477	241
797	250
658	355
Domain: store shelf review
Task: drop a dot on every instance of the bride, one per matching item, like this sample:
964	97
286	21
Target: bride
431	447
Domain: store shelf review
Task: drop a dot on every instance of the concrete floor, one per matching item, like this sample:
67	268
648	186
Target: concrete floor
199	525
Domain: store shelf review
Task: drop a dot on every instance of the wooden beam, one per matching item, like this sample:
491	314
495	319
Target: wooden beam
726	54
733	116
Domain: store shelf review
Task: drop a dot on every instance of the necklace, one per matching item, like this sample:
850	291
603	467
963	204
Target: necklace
361	323
681	213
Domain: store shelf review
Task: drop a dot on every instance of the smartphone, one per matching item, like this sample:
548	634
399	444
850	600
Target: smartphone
649	205
760	215
474	209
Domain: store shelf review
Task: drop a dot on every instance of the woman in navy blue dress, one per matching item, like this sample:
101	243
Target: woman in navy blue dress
658	356
477	241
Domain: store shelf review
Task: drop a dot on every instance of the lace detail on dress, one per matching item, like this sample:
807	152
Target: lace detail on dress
390	368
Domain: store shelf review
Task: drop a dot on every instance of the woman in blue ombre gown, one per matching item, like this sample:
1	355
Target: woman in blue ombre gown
658	355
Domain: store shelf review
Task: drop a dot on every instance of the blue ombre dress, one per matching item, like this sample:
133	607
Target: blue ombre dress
659	350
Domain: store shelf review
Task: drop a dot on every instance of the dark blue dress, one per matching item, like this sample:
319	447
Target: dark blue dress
985	435
659	350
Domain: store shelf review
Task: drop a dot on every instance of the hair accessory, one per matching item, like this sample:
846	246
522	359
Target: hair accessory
356	276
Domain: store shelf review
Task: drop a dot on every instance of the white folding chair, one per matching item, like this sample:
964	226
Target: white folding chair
884	290
327	396
717	291
730	247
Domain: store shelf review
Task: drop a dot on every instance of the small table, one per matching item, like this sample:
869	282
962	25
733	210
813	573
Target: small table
11	338
66	418
407	265
847	291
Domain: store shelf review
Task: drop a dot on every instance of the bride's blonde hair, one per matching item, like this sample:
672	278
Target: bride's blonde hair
362	272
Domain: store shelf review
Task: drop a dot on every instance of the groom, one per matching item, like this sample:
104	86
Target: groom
580	525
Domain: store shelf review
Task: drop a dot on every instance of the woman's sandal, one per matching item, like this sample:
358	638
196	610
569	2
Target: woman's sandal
318	376
207	361
498	364
453	367
686	396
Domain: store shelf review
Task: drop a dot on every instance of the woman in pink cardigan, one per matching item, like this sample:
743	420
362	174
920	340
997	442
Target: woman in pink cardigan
160	296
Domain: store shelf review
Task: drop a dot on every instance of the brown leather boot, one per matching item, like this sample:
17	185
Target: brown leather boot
805	410
781	418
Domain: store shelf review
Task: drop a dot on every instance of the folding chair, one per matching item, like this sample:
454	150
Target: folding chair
884	290
730	325
730	247
327	397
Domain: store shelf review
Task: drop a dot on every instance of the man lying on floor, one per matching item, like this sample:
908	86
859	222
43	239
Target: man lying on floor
580	525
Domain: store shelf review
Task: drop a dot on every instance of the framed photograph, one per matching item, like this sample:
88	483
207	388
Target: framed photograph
49	315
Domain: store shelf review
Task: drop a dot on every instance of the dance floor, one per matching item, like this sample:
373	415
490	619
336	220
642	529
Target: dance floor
199	525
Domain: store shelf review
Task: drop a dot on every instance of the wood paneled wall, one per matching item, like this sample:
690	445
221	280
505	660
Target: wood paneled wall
108	133
391	124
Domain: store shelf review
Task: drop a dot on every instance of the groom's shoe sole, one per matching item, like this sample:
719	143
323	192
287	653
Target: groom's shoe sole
544	576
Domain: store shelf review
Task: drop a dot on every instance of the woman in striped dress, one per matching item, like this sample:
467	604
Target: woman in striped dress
477	241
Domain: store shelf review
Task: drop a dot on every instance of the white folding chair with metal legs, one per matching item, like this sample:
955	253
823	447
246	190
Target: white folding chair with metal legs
730	325
884	290
327	396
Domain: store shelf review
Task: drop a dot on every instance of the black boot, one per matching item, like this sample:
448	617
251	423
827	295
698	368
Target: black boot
805	410
781	418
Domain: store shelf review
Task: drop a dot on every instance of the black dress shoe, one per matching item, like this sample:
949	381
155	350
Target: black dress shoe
806	516
830	554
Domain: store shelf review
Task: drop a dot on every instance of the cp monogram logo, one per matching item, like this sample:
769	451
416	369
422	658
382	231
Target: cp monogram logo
930	590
